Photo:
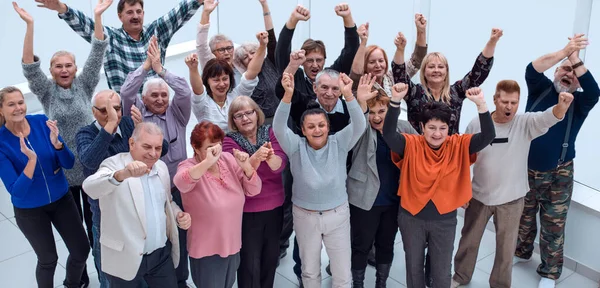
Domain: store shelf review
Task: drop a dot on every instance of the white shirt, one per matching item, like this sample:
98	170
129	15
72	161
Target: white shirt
205	108
338	108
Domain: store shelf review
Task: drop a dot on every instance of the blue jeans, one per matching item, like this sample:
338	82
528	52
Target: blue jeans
96	253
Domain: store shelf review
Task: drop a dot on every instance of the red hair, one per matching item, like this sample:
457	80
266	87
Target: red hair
206	130
370	50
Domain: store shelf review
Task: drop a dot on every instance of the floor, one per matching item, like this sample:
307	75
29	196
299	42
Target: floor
17	262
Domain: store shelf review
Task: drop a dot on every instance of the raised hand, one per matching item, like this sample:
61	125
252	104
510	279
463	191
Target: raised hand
420	22
363	32
242	159
184	220
213	153
136	169
346	85
271	150
111	113
564	100
22	13
262	153
55	5
25	149
263	38
343	10
102	6
192	61
297	58
210	5
300	14
399	90
136	115
52	124
576	43
400	41
496	34
287	81
154	55
365	88
475	94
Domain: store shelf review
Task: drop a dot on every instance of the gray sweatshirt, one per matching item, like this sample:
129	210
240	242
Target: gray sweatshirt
319	175
500	172
71	107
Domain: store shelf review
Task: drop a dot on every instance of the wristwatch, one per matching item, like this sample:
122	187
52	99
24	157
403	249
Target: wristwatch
577	65
162	73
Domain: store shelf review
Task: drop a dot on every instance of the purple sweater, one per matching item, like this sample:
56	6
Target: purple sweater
272	193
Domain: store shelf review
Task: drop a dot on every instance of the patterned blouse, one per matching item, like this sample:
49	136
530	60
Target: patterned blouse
416	96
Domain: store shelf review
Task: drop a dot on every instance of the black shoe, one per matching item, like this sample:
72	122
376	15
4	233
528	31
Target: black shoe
300	285
382	274
371	257
358	278
328	269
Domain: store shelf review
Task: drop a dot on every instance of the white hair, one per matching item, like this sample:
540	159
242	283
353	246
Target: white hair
216	39
239	54
156	81
330	72
147	127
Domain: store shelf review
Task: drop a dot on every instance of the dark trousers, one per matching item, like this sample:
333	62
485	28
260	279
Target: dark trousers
156	269
214	271
36	225
85	214
260	250
438	237
378	224
182	272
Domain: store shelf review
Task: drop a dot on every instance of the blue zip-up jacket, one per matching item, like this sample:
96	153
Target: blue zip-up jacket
49	183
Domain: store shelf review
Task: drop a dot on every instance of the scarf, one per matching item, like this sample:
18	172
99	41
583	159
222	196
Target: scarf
262	137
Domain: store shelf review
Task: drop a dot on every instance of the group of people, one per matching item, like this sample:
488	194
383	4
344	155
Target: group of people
283	144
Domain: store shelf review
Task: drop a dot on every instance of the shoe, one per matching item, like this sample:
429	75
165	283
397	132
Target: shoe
358	278
381	275
328	269
300	285
517	260
454	284
546	283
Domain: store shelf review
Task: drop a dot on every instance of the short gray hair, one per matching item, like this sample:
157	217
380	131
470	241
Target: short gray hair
155	81
329	72
147	127
100	92
216	39
240	53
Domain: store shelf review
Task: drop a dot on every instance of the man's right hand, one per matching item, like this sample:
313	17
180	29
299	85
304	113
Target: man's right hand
297	58
111	115
135	169
55	5
299	14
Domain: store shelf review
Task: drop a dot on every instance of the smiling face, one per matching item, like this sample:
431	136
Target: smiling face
435	132
316	129
63	70
132	18
376	63
156	98
565	79
313	64
328	91
13	107
219	85
377	114
507	105
436	71
146	148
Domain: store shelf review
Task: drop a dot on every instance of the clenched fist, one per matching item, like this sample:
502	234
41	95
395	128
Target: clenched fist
400	41
496	34
342	10
399	91
184	220
475	94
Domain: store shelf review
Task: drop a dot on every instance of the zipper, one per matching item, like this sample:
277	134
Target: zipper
42	169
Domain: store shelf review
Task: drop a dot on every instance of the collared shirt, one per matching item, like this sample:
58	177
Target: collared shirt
338	108
100	128
124	53
173	122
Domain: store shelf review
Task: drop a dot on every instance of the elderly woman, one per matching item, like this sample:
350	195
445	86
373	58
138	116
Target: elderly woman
318	164
32	157
435	81
263	214
66	97
373	59
372	188
435	182
216	88
213	186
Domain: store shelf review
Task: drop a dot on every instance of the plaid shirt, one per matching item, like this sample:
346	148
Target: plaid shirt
125	54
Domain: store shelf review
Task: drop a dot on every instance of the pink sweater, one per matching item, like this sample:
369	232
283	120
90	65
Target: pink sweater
216	206
272	194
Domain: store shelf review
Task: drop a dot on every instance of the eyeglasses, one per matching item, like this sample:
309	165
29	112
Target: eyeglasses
239	116
103	110
223	49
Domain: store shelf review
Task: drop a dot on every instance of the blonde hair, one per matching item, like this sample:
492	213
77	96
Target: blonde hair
238	104
60	54
445	97
3	92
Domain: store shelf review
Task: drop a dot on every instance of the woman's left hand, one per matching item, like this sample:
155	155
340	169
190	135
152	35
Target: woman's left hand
52	124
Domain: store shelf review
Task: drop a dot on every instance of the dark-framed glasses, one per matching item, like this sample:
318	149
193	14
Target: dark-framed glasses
239	116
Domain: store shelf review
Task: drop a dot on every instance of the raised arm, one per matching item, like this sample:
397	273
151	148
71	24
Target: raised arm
547	61
364	91
416	58
266	15
488	132
351	40
296	59
351	133
481	68
28	42
270	30
395	140
77	20
288	140
399	68
168	24
180	104
131	86
195	79
358	64
284	45
202	47
490	46
91	70
257	61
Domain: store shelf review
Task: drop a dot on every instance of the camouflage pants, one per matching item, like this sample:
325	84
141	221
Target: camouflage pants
550	192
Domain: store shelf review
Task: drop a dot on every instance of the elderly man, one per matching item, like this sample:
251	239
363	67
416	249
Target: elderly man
551	155
105	137
138	214
500	182
129	43
171	118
